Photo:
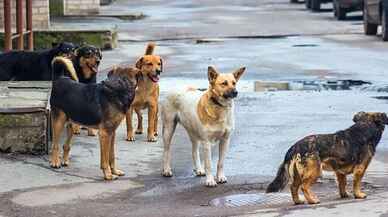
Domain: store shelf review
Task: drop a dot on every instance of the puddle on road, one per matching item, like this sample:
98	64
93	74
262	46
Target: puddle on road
316	85
239	200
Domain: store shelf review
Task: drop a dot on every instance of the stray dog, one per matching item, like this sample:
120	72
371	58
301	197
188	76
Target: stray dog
208	119
147	95
86	61
101	106
32	65
344	152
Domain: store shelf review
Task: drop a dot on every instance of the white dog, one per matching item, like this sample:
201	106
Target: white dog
208	119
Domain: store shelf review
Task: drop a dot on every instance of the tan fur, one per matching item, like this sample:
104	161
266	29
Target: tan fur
69	65
147	95
208	120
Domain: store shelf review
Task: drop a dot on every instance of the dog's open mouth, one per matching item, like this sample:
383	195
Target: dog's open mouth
153	78
94	68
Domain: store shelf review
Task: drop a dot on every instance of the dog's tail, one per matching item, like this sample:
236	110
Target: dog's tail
150	48
63	66
283	175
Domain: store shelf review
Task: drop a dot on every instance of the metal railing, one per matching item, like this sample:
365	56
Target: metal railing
8	35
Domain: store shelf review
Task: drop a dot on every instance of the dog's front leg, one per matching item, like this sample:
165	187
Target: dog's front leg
130	136
105	139
210	182
112	159
223	148
58	122
152	115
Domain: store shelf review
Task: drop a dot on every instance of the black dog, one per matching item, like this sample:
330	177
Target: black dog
31	65
101	106
344	152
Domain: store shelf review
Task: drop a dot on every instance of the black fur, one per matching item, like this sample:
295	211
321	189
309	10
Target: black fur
343	148
86	51
88	103
31	65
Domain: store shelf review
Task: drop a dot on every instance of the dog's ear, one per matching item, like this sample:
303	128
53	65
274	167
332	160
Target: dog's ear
161	65
237	74
212	74
139	63
360	116
54	44
112	71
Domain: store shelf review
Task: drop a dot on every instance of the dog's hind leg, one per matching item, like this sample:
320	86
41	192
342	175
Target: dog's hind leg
58	122
210	181
67	145
358	173
130	136
112	159
341	179
170	122
311	172
139	129
223	148
198	170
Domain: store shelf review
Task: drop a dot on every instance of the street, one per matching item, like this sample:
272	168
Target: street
276	41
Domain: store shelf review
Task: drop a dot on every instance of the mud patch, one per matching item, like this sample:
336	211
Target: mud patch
64	194
238	200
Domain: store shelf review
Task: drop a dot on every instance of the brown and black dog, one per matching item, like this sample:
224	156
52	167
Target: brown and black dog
147	95
100	106
344	152
86	61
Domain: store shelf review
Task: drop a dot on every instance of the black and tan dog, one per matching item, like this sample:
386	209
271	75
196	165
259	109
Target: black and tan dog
101	106
32	65
344	152
147	95
86	61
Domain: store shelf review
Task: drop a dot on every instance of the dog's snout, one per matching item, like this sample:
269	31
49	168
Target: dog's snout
158	71
234	93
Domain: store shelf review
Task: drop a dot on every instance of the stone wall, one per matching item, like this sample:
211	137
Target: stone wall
40	13
81	7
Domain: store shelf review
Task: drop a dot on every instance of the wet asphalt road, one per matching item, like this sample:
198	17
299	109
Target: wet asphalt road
299	46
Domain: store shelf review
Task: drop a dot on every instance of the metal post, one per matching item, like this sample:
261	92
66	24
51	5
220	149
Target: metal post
19	24
29	25
7	26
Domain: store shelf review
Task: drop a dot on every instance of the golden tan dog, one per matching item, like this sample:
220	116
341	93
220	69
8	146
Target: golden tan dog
208	119
147	95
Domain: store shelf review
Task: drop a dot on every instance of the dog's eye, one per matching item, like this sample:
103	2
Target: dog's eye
225	83
149	64
234	83
159	64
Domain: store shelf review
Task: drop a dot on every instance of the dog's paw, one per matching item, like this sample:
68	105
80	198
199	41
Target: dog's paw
222	179
344	195
167	173
65	163
117	172
92	132
139	131
360	195
108	176
156	133
76	130
55	162
131	138
199	172
210	182
299	202
152	139
314	201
